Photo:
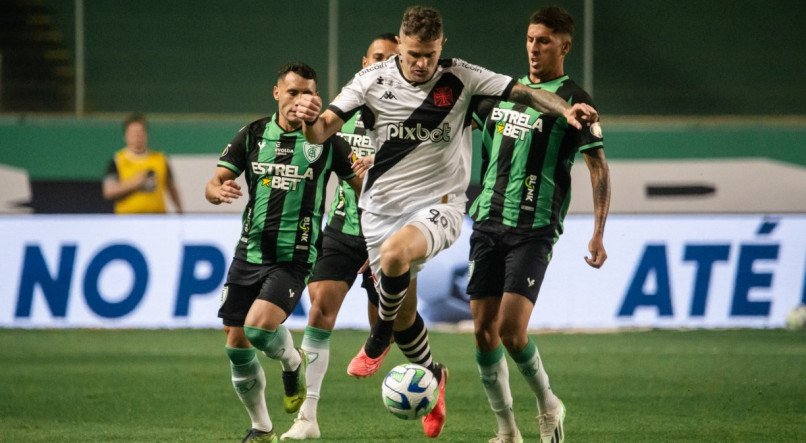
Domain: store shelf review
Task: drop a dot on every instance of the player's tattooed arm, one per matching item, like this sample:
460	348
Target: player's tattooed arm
600	183
552	104
543	101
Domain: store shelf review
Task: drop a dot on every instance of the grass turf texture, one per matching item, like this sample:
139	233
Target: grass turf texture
173	385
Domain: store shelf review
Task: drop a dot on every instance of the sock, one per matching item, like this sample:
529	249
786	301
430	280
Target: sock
392	291
316	342
249	382
391	294
531	367
277	345
413	342
494	374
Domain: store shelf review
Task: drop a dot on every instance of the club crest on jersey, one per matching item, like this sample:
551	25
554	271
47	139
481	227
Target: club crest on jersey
312	151
443	96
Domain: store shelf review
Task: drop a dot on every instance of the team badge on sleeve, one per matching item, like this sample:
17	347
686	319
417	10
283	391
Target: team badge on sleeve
312	151
596	130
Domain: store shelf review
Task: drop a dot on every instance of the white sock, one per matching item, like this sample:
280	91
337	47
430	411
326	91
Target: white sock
316	343
282	348
249	382
494	373
531	367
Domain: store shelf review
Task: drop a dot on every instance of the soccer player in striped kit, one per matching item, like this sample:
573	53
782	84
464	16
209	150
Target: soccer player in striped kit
286	178
526	190
413	197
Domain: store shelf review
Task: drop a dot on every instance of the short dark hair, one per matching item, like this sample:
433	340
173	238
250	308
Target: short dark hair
388	36
422	22
299	68
555	18
134	117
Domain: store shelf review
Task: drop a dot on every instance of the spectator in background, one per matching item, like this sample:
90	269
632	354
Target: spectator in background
137	177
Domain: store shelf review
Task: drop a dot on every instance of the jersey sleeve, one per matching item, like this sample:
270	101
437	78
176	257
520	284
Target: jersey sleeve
350	99
483	82
341	157
590	136
234	155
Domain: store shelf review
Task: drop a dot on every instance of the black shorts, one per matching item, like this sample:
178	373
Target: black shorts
280	283
508	261
340	258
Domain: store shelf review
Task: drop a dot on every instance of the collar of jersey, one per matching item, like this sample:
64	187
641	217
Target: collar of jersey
400	71
276	123
525	80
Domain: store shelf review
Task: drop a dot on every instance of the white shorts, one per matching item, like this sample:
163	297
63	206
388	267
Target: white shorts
441	225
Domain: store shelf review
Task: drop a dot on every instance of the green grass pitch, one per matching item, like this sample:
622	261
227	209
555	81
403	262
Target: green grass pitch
173	385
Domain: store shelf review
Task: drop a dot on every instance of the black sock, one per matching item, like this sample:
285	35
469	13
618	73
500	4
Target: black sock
413	342
379	338
394	285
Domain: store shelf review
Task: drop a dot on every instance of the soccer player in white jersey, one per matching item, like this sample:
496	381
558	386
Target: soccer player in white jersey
413	199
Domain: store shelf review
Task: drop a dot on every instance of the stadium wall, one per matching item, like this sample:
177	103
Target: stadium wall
46	161
697	271
733	57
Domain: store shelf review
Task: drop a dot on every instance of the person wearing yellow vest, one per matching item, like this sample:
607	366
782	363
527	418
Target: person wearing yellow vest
138	178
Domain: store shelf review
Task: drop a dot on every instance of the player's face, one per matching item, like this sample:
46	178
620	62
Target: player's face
379	51
287	91
546	51
418	59
136	137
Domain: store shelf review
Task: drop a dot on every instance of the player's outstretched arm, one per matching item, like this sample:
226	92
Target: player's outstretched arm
600	182
551	103
317	125
222	188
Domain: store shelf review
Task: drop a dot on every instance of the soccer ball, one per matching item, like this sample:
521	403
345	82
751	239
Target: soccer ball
796	320
409	391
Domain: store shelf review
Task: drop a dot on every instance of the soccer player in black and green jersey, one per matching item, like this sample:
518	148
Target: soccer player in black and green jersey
286	178
518	217
344	253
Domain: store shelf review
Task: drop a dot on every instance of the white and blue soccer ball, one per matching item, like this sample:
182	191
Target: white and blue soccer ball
796	319
409	391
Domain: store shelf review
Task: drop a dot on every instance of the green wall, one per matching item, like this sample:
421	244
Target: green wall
736	57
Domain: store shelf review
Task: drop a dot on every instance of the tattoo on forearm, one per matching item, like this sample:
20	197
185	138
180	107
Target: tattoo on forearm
543	101
600	180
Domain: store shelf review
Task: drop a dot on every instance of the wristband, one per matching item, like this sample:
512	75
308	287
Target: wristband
312	122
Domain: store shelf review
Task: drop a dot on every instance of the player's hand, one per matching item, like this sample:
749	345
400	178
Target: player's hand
581	113
598	254
362	165
308	107
229	191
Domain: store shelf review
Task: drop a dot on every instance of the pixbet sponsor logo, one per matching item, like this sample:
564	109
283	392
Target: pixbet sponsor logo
419	133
